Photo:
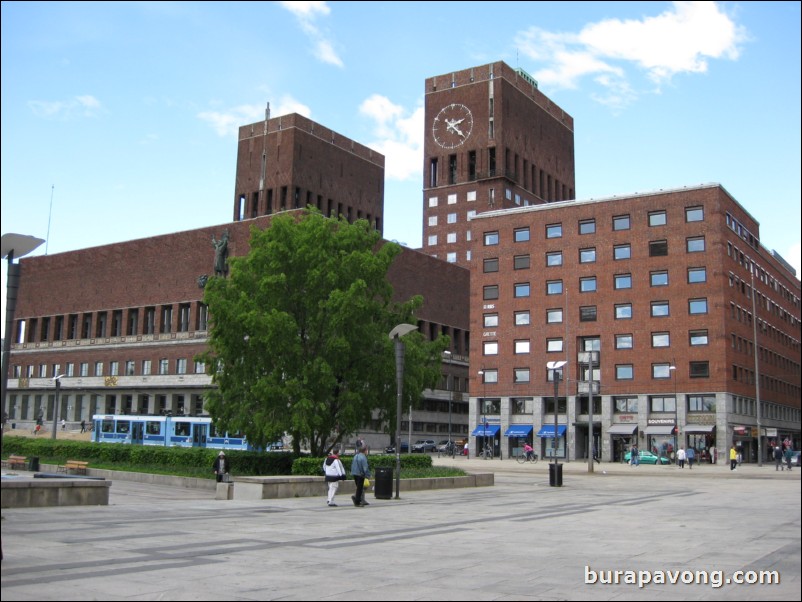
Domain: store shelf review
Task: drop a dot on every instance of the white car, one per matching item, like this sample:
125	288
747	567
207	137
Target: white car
423	446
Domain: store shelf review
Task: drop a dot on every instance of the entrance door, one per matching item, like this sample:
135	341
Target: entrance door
199	435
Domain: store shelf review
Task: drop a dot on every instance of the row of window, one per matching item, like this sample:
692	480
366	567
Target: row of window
659	371
659	340
97	369
589	313
589	284
657	404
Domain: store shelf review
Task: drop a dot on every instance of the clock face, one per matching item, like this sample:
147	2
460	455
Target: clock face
452	126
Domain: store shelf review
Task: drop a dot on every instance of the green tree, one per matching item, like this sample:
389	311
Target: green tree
298	341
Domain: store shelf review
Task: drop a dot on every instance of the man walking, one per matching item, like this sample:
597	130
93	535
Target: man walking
360	471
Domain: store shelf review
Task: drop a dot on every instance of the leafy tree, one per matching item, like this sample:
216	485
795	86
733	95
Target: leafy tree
299	341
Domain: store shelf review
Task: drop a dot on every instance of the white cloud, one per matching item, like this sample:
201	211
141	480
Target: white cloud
306	13
228	122
78	106
682	39
398	136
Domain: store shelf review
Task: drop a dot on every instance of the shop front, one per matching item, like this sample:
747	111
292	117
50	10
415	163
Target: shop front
660	439
702	438
622	436
517	435
547	441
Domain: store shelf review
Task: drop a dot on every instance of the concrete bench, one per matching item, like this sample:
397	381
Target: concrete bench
74	466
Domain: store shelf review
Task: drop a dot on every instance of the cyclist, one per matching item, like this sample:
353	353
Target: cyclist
528	450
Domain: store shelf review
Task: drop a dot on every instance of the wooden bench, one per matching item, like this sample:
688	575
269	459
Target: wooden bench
74	466
18	462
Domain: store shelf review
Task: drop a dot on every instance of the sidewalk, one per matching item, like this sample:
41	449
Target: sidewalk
518	540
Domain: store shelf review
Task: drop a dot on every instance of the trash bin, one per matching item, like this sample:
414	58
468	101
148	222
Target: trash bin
555	475
383	483
33	464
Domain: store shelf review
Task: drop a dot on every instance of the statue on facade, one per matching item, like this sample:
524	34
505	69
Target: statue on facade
220	254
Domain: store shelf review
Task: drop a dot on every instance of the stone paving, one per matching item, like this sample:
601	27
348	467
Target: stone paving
521	539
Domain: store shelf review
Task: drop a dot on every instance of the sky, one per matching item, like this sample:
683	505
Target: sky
120	119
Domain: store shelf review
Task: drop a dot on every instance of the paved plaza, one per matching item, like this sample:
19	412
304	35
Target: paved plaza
518	540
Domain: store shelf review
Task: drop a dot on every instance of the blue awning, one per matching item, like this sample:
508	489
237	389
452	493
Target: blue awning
489	431
547	432
518	430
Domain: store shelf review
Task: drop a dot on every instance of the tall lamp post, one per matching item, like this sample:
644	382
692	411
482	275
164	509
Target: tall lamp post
396	334
673	368
555	368
12	245
57	380
449	380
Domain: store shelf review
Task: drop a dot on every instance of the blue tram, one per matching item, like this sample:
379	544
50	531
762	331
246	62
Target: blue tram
168	431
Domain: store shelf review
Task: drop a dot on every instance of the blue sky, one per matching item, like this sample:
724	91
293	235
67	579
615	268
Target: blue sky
119	119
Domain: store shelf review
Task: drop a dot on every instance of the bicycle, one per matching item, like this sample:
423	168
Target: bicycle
530	457
448	451
486	453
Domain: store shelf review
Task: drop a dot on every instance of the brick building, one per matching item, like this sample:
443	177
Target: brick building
660	286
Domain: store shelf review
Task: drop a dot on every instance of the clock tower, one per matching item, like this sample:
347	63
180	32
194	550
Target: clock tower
493	141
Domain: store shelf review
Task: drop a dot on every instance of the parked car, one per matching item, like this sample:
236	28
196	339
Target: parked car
647	457
441	447
390	449
423	446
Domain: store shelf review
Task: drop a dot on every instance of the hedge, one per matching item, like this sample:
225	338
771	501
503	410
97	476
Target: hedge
314	466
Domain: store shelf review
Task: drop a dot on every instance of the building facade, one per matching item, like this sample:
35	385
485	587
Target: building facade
660	286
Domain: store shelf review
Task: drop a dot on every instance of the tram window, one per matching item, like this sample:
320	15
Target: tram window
107	426
182	429
123	427
153	428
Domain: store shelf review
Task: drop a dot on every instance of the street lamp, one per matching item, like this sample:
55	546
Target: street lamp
673	368
396	334
555	368
449	379
57	380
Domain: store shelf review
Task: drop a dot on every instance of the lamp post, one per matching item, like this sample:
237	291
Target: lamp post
481	408
673	368
555	368
57	380
449	381
396	334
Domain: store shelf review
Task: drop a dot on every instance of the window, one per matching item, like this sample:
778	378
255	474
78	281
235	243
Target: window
554	287
146	367
702	403
695	244
521	375
587	285
621	222
200	367
432	240
451	237
490	348
432	220
451	257
490	292
522	289
522	346
164	366
522	318
554	316
623	311
181	366
84	369
624	372
659	309
491	238
694	214
520	262
625	405
521	234
490	376
587	226
554	258
491	265
699	369
114	368
623	341
662	404
697	306
698	338
661	339
554	345
451	218
129	368
554	231
587	313
657	218
587	255
658	248
697	275
622	281
658	278
490	320
622	252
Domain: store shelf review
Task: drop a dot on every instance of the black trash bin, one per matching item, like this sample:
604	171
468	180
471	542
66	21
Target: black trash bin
383	483
555	475
33	464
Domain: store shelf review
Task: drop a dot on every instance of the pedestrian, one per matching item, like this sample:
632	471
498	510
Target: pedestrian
634	456
778	458
63	424
733	458
221	467
681	457
596	454
789	453
360	471
335	472
83	426
690	455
